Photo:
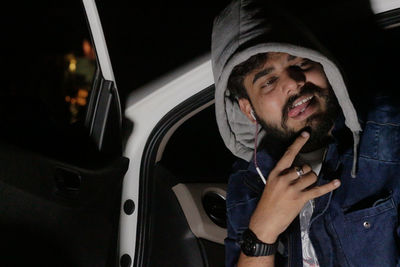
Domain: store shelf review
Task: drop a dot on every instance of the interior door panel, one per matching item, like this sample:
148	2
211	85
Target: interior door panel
50	217
172	241
190	197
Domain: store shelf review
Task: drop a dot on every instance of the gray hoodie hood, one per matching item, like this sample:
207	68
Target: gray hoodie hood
249	27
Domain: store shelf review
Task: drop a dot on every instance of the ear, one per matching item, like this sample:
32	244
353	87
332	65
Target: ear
246	108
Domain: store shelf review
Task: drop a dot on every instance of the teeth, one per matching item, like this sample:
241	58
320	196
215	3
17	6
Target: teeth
302	101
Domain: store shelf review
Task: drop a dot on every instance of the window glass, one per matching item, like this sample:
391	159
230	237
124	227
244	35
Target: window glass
48	64
207	160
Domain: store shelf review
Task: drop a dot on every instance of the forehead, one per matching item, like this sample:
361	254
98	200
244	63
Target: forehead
279	57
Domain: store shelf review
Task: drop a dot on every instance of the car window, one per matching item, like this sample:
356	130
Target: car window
196	152
48	64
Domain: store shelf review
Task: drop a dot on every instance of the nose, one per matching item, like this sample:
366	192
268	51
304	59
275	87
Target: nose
292	80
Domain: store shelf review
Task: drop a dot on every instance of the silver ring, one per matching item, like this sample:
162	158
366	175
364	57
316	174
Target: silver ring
299	171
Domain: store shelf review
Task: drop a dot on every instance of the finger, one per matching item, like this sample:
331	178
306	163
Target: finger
292	173
322	190
305	181
287	159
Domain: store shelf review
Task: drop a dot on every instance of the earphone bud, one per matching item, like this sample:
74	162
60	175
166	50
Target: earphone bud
252	115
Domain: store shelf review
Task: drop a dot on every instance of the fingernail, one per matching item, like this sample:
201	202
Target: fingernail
305	134
336	183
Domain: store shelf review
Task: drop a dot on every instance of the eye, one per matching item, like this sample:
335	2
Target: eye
269	82
304	64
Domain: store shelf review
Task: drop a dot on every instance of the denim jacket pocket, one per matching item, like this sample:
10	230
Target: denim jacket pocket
379	206
371	229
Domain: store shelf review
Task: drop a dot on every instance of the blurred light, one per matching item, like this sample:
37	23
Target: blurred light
81	101
72	65
88	50
82	93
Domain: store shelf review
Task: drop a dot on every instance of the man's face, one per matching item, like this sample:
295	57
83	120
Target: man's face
289	94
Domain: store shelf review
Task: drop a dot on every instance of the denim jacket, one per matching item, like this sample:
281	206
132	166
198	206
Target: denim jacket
356	224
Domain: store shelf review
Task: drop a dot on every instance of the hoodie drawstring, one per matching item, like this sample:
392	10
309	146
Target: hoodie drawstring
356	141
255	155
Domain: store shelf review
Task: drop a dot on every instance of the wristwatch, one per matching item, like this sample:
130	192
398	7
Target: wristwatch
252	246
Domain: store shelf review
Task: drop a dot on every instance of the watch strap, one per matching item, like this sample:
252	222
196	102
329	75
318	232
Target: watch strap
261	248
264	249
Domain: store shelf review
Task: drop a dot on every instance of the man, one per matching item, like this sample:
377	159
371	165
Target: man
322	190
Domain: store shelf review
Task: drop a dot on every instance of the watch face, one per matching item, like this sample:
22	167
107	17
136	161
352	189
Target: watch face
248	245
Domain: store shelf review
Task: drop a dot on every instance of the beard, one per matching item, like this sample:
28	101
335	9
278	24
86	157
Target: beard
277	140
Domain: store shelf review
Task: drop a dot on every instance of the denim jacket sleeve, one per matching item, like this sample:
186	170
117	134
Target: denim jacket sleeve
241	202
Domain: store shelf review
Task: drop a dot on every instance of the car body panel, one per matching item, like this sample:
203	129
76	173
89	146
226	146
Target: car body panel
145	108
380	6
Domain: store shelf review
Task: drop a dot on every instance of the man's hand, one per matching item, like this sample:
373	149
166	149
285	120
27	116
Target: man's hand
285	194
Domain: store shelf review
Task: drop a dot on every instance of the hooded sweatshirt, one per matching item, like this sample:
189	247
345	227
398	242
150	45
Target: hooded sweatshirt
355	225
249	27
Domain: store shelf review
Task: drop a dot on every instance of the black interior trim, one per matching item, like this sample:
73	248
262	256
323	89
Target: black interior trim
93	96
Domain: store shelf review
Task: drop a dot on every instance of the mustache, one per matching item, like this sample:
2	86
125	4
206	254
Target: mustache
307	88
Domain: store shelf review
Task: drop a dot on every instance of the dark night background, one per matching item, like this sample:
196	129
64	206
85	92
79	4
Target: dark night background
145	41
150	38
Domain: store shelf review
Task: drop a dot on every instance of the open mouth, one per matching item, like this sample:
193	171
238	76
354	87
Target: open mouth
300	107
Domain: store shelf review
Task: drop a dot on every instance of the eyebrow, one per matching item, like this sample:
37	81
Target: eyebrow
269	70
262	73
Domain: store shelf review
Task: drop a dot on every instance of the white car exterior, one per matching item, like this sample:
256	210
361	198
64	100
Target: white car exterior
146	108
